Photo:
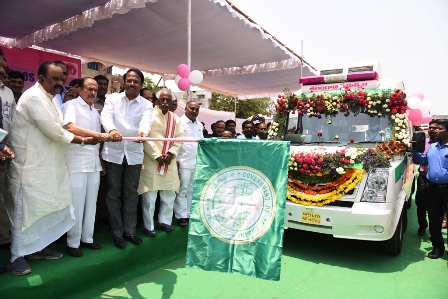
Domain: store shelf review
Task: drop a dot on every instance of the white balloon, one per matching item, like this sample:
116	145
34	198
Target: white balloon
177	79
414	103
426	106
196	77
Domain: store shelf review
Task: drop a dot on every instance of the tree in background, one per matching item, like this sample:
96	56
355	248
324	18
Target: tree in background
244	108
148	83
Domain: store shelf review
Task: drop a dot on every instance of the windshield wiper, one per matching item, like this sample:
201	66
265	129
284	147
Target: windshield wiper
323	141
360	142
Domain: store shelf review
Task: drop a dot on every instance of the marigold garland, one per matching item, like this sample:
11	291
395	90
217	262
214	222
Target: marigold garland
320	189
310	198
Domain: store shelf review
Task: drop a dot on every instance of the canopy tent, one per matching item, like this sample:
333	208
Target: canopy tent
236	56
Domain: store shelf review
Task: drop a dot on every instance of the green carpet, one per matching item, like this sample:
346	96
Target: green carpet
313	266
97	270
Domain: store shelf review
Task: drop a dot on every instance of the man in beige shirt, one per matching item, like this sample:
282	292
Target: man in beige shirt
159	171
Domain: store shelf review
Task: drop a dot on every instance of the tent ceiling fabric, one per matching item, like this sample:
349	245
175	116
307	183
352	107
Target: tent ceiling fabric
236	56
22	17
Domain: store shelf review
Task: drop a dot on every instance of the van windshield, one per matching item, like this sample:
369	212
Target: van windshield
360	128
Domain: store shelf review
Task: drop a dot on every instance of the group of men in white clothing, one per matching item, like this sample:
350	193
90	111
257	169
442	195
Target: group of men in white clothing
53	179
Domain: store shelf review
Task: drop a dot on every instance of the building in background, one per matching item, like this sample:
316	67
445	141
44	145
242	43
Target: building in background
93	69
203	97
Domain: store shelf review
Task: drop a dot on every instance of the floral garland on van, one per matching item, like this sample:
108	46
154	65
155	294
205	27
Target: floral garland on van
317	179
380	103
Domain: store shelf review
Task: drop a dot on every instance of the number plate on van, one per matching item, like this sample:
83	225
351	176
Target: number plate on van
310	217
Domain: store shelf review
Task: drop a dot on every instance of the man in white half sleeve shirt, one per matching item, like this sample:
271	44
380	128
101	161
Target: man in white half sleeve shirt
187	162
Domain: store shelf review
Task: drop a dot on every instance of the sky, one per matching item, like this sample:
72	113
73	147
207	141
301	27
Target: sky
408	37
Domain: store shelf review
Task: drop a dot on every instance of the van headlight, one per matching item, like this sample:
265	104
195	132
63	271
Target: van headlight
376	186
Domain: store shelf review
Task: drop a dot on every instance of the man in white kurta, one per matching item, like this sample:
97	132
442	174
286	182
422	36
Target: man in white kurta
159	171
84	166
38	197
187	162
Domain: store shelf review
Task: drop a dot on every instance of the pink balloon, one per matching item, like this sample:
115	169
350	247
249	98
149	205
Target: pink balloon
184	84
417	122
415	115
426	118
183	70
417	94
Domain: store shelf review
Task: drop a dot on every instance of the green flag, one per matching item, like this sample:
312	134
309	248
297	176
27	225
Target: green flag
238	207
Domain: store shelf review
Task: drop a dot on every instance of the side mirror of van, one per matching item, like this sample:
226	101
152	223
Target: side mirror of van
418	142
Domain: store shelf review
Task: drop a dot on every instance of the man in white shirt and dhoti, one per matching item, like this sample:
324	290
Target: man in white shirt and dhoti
38	197
129	114
84	165
159	172
187	162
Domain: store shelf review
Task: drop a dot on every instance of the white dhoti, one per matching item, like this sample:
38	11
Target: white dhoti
167	198
40	234
85	187
182	203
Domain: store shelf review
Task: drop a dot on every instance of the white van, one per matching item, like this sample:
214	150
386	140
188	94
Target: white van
349	175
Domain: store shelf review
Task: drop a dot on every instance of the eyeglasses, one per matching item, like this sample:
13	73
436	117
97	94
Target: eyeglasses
129	81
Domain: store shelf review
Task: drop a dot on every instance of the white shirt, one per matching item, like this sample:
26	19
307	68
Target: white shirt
128	117
8	106
189	150
59	97
82	158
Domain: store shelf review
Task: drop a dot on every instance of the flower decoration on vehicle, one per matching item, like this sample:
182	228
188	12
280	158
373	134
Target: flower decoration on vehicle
320	195
274	131
375	103
393	148
400	131
315	168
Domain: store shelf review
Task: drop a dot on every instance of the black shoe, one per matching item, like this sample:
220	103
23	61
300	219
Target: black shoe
120	242
166	227
436	253
182	221
150	233
45	254
133	239
421	231
75	252
19	267
93	245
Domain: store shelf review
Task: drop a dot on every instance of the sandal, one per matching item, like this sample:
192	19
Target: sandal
182	222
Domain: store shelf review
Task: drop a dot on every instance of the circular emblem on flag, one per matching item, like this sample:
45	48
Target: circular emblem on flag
238	204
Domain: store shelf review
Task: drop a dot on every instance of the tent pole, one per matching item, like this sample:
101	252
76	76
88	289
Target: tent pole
189	43
235	108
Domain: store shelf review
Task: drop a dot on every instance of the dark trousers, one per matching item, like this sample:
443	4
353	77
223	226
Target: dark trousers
122	197
421	200
437	200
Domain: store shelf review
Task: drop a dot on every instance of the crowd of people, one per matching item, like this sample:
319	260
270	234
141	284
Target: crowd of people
68	161
73	156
